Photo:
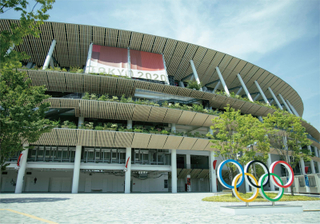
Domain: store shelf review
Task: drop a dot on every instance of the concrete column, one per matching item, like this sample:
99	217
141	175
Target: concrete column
269	162
244	87
293	109
76	170
128	172
88	63
49	55
275	98
239	91
181	84
212	173
262	93
188	162
211	131
173	128
195	74
174	178
80	122
311	161
165	67
302	165
316	151
256	97
222	81
129	64
317	155
10	49
129	124
216	87
22	170
285	104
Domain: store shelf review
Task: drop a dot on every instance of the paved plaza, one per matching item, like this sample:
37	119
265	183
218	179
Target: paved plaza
134	208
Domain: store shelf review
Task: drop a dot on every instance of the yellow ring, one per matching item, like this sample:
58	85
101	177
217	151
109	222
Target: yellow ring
236	191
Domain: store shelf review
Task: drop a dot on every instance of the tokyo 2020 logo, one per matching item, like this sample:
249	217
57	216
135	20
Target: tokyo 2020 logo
252	181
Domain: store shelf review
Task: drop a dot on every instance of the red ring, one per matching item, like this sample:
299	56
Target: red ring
276	182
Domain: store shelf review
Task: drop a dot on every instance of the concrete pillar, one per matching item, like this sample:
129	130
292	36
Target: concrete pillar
212	173
195	74
174	178
311	161
222	81
269	162
239	91
211	131
262	93
293	109
128	172
275	98
165	67
129	64
302	165
88	63
49	55
244	87
216	87
188	161
22	170
317	155
80	122
76	170
10	49
129	124
181	84
173	128
285	104
256	97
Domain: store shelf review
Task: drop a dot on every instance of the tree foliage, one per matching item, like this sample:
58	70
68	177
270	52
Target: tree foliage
28	25
22	113
239	137
288	136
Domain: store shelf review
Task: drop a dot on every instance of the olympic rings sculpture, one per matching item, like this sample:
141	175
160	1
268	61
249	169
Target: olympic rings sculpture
252	181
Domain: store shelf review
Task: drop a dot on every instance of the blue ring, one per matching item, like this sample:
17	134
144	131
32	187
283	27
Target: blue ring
220	173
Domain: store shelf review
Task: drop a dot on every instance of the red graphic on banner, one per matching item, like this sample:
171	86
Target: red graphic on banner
146	61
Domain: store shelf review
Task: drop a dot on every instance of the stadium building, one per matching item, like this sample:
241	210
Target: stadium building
134	116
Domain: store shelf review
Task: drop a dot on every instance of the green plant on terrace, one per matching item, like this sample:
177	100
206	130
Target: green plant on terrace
194	85
86	96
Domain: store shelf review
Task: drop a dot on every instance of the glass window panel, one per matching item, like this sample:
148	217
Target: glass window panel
98	154
114	154
65	154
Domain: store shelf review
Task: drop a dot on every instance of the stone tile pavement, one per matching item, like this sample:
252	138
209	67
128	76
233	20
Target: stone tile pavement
135	208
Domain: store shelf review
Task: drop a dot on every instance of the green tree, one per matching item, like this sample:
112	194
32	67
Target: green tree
28	25
288	137
239	137
22	113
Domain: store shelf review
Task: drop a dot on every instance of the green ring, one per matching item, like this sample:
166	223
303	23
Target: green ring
262	191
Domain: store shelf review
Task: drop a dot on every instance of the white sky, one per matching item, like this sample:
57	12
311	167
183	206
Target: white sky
281	36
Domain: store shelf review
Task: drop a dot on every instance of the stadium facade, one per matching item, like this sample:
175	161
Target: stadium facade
142	127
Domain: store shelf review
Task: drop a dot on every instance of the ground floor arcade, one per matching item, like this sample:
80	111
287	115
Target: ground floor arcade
159	171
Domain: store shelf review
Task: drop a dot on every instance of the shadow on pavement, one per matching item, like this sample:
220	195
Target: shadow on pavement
31	200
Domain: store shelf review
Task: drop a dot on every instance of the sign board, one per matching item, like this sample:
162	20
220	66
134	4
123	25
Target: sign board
114	61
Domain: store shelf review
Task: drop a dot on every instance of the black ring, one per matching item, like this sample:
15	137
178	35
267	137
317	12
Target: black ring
262	164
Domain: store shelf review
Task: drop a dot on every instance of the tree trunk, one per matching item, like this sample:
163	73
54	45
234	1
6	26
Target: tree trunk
231	178
291	188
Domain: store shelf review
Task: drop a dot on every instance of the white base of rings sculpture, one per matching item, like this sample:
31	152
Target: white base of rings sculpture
255	185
